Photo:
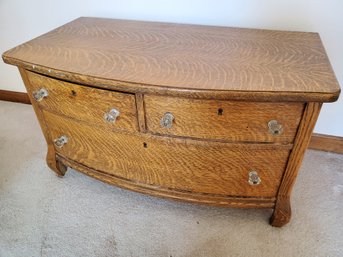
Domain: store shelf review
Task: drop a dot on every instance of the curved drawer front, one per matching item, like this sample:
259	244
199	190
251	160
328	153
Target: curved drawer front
223	120
171	163
92	105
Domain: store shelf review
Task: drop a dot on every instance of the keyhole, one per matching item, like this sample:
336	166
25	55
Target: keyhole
220	111
145	145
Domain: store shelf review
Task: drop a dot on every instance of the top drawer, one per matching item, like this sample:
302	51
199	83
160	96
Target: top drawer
92	105
223	120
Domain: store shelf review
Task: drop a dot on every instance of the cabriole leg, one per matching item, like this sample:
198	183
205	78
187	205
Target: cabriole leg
282	212
56	165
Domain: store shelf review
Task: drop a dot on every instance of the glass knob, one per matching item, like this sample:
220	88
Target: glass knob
275	128
112	115
61	141
40	94
254	179
167	120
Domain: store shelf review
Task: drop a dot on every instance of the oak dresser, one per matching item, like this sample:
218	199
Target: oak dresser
204	114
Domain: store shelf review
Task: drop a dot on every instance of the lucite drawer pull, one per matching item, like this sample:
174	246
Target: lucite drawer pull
40	94
167	120
254	179
61	141
275	128
112	115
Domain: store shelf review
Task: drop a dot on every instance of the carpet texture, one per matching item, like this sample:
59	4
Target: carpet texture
43	215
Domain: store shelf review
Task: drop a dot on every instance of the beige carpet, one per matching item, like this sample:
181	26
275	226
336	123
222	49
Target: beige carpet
43	215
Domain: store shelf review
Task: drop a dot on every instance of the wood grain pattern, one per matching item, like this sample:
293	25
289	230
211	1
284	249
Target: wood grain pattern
264	64
189	166
84	103
140	112
223	120
216	200
326	143
51	160
17	97
282	211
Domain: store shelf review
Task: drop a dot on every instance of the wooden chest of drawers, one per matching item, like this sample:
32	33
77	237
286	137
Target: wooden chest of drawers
210	115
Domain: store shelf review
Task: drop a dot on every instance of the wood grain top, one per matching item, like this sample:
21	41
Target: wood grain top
264	64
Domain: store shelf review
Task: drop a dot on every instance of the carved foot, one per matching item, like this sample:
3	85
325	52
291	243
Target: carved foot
282	213
56	165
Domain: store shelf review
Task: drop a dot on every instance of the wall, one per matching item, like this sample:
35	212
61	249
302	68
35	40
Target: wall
23	20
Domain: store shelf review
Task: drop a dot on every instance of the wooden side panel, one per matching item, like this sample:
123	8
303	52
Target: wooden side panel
282	211
51	160
85	103
223	120
201	167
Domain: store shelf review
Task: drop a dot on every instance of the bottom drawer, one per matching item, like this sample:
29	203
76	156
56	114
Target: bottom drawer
174	164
